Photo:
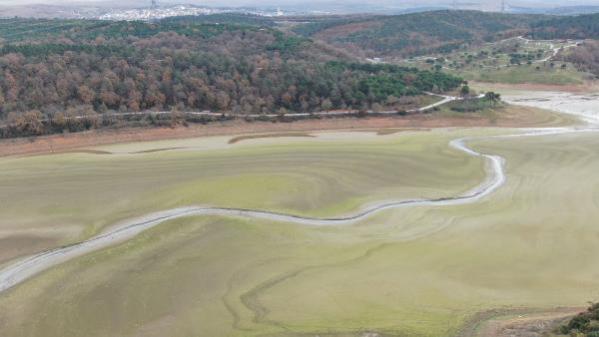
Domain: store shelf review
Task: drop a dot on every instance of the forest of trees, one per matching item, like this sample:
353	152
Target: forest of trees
186	66
567	27
441	32
54	71
417	33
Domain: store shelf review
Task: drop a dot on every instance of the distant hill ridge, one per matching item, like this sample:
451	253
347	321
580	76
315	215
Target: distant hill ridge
418	33
56	70
567	27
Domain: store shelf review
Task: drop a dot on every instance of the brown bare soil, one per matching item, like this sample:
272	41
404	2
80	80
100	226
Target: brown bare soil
518	322
77	142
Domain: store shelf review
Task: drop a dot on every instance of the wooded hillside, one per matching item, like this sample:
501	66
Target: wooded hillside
585	57
177	64
567	27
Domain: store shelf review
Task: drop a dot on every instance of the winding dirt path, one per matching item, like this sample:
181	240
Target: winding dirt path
26	268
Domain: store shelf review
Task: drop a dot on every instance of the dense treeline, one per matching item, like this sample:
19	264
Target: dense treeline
417	33
18	29
567	27
133	66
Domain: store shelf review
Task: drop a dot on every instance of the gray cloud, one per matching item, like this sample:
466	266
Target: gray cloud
405	3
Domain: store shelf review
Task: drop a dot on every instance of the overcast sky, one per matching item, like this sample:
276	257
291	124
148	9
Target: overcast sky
313	2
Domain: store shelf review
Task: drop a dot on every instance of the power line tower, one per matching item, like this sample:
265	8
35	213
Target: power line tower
503	6
154	4
455	5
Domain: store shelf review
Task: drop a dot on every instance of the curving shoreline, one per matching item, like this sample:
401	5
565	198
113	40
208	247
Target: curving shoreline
26	268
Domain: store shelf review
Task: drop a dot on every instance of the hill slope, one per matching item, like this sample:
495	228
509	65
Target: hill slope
417	33
97	67
567	27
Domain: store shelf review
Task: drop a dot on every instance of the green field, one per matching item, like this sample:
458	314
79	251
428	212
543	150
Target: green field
512	61
420	271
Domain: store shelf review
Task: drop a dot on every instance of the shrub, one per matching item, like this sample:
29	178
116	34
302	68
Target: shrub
474	104
585	323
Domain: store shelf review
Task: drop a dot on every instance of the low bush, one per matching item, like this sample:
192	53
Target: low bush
475	104
585	324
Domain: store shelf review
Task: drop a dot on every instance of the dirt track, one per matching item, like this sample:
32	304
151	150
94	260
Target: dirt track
523	322
511	117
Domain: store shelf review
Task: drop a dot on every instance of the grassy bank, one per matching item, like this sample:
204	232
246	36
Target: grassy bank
418	272
72	196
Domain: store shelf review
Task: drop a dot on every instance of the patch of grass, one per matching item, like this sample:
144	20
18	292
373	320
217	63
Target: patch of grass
79	194
513	61
408	272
